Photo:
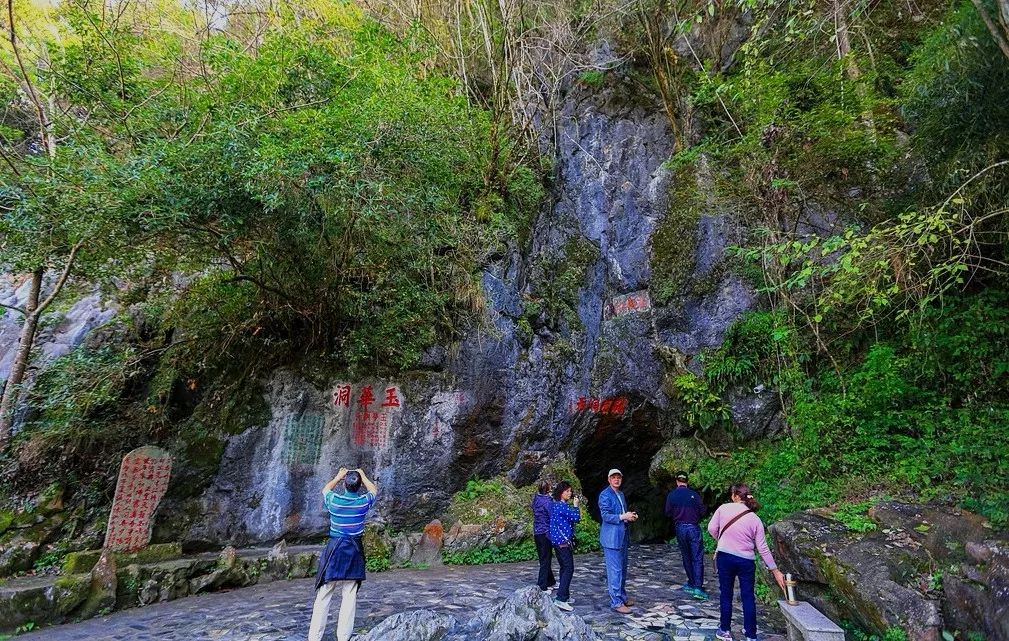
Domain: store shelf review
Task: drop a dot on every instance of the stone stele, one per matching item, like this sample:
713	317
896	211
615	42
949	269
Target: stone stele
143	480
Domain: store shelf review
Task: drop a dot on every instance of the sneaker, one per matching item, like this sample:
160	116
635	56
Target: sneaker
723	635
548	591
622	609
700	594
563	605
686	588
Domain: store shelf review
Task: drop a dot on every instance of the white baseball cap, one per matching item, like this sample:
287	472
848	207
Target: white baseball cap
614	471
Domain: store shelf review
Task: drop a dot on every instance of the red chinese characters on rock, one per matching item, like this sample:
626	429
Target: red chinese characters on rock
370	428
341	395
614	406
636	302
143	480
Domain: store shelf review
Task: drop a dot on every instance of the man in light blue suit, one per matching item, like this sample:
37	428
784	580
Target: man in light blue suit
614	538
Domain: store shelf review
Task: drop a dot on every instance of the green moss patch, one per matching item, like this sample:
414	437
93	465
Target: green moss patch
84	561
674	243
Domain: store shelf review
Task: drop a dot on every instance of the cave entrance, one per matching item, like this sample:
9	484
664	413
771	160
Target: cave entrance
627	443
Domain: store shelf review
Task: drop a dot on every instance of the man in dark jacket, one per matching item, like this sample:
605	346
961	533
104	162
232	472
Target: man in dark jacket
685	507
541	530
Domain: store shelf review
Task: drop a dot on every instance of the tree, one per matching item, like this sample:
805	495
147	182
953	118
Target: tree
79	105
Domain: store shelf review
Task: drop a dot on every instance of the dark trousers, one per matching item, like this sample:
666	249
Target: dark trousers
688	535
566	559
729	567
544	550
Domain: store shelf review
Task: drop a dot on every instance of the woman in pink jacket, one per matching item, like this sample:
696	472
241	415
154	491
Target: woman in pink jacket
738	531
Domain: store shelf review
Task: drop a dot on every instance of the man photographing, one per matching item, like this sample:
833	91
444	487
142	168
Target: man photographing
685	507
341	564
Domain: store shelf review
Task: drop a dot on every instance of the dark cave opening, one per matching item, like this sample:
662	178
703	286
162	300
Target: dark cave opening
627	443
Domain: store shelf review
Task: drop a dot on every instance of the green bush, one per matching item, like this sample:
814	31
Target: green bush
377	563
518	551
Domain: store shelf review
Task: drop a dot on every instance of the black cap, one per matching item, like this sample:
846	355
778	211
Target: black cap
681	476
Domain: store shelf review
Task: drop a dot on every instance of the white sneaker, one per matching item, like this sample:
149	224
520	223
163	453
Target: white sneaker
563	605
723	635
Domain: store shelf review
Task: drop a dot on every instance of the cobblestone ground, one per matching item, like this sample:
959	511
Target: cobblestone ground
281	610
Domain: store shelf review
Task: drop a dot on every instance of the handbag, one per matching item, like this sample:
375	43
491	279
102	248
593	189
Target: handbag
714	557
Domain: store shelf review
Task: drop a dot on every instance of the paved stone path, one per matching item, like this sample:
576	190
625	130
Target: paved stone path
281	610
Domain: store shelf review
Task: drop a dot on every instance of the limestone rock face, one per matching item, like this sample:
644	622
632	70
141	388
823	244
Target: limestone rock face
884	578
564	361
60	332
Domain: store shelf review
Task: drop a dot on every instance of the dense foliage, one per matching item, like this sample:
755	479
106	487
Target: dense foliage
874	174
281	185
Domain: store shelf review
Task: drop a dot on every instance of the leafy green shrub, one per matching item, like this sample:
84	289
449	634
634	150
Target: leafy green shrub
482	501
592	78
702	407
586	534
519	551
377	563
853	515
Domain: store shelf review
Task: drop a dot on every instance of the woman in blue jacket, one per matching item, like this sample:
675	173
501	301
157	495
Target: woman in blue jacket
541	531
562	534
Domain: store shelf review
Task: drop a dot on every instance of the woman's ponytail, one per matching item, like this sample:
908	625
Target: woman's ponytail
743	492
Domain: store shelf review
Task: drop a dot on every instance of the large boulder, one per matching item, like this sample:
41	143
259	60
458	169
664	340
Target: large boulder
416	625
888	577
527	615
976	596
871	579
428	551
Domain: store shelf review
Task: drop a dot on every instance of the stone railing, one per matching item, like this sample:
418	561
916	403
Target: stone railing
806	623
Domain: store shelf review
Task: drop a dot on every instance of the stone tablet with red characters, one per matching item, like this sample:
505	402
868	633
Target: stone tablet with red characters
143	480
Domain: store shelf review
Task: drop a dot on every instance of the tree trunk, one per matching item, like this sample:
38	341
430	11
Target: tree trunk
12	389
999	32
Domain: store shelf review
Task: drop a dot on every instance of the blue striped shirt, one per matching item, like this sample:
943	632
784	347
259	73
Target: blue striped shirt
347	512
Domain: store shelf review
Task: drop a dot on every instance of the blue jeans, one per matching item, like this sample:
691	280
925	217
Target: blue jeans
688	535
566	559
616	574
729	567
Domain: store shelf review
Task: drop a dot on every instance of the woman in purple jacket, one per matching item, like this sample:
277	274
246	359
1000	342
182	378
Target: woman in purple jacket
541	530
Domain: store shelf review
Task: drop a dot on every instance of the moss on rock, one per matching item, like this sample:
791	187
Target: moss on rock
85	560
678	454
6	519
377	548
69	592
674	243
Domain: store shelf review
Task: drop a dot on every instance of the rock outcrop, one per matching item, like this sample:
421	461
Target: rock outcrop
527	615
566	362
925	569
